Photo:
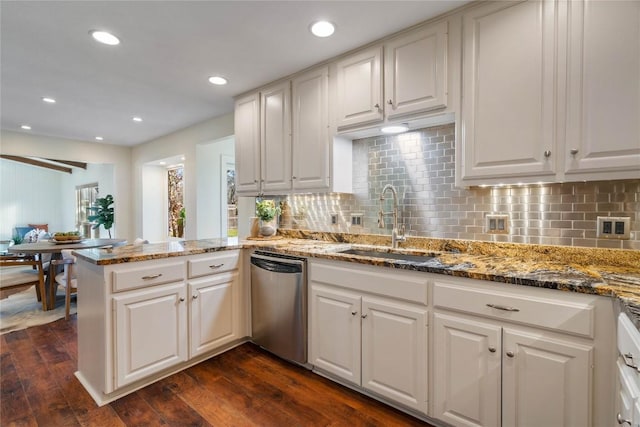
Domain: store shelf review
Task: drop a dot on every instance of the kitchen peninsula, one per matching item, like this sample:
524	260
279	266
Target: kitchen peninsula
148	311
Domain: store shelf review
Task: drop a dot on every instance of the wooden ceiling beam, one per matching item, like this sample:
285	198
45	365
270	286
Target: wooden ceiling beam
34	162
81	165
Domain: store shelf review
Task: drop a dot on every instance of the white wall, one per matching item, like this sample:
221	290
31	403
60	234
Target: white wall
182	142
154	204
209	157
29	195
24	144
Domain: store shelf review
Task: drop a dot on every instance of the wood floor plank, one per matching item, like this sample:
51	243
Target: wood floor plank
245	386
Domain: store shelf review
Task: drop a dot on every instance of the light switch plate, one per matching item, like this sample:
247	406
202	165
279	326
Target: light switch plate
613	227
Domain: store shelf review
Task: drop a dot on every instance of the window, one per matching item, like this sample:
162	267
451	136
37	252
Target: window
86	196
177	215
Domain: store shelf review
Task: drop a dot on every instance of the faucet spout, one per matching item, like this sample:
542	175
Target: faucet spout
395	236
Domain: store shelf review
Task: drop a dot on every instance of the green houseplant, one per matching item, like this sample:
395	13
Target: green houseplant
267	211
182	217
104	213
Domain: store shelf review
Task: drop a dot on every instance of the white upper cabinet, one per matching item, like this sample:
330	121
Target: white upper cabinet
275	137
415	71
509	91
414	83
603	105
311	150
247	139
551	92
359	88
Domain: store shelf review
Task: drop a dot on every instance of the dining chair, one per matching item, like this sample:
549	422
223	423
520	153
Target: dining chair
13	277
67	278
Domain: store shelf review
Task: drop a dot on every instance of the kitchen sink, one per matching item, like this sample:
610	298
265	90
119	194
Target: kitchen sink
387	255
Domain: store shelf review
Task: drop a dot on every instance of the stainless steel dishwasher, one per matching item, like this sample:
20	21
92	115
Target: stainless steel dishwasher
279	305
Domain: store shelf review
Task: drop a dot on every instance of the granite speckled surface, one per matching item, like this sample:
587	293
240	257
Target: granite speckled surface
607	272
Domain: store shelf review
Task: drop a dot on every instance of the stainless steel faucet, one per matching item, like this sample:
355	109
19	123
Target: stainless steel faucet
395	237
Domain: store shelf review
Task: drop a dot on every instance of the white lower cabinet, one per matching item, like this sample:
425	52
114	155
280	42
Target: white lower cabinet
150	331
141	321
376	342
214	312
519	357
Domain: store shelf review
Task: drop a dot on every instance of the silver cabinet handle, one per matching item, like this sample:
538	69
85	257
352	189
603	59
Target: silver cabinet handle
621	420
195	296
574	151
153	276
181	299
547	153
353	313
628	360
492	349
510	353
503	307
215	266
364	316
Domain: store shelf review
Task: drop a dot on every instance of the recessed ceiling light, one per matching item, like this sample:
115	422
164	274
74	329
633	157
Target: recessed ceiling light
217	80
99	138
137	119
182	158
322	28
104	37
48	100
25	127
395	128
163	163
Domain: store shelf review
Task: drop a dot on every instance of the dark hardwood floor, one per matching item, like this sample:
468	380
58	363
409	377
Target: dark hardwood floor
243	387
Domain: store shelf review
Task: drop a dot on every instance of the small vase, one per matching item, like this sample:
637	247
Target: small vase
267	228
254	226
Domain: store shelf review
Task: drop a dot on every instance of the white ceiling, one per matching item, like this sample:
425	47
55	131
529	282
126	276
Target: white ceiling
169	48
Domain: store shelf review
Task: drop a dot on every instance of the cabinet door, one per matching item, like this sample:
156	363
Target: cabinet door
311	130
275	137
359	88
394	351
247	140
415	71
603	108
150	331
466	374
214	312
508	107
335	332
545	382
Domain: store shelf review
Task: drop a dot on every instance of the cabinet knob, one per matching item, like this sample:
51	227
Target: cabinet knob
574	151
621	420
255	181
510	353
364	316
492	349
390	102
181	299
547	153
293	177
195	296
354	313
377	106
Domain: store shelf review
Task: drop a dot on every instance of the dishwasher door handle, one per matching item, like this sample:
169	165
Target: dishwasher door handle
277	265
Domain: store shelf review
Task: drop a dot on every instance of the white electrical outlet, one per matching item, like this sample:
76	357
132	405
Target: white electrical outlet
497	223
614	227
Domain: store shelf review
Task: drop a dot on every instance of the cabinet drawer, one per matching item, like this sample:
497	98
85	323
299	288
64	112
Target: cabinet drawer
556	314
133	278
213	264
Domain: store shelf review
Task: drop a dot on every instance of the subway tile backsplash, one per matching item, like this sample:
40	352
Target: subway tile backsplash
420	164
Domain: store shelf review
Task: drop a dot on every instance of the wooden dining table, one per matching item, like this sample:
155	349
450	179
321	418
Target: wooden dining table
55	249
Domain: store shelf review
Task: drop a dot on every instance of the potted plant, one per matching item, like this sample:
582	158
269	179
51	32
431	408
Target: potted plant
267	211
181	222
103	213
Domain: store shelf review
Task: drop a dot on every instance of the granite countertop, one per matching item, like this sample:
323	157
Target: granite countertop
607	272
